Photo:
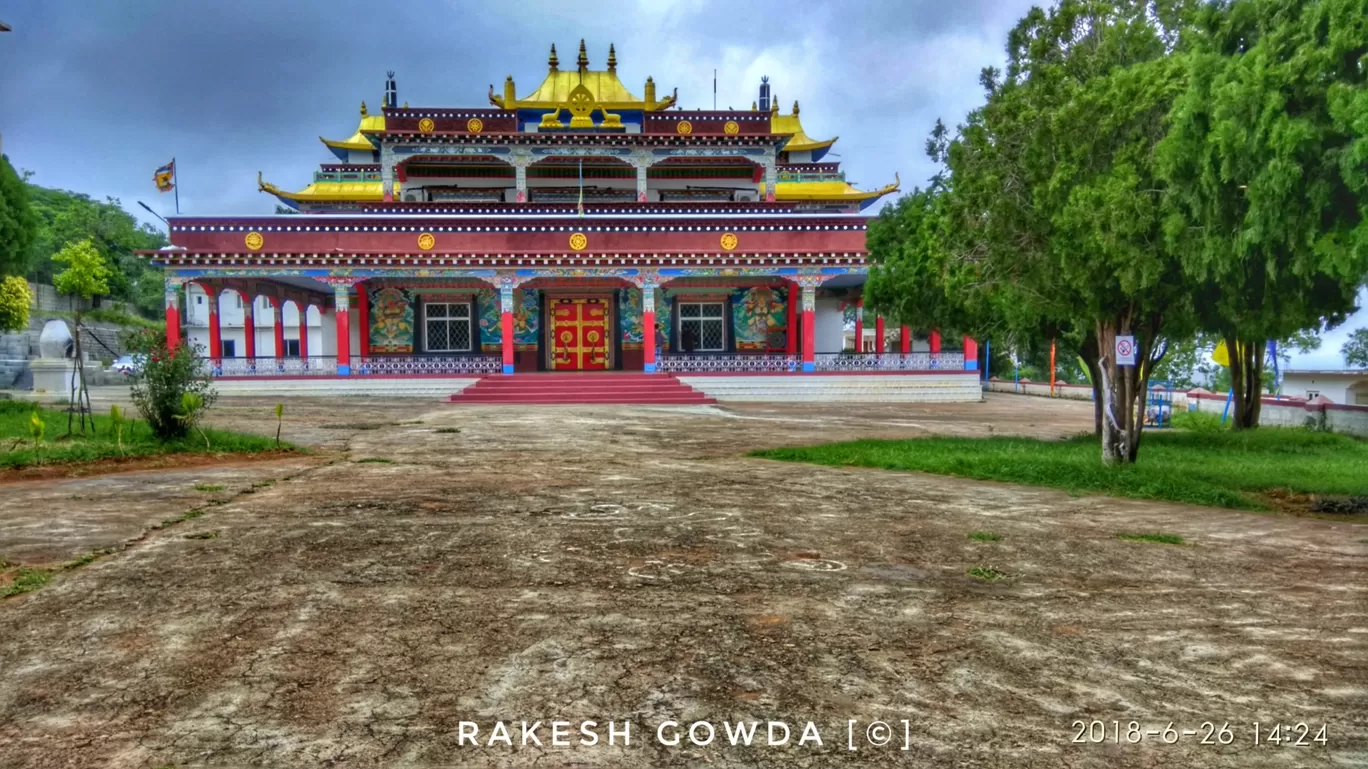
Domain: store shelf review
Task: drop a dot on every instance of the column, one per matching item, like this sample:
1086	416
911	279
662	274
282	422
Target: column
278	318
173	323
249	325
641	183
809	327
303	328
648	329
935	340
879	334
386	173
340	303
506	322
520	158
859	325
791	344
771	179
905	340
363	320
970	354
215	331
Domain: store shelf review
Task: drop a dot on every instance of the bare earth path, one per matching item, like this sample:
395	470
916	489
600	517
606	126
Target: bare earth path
630	564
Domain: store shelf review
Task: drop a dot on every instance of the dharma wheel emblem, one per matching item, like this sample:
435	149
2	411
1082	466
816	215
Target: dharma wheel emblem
731	128
426	241
578	241
729	241
254	241
426	126
684	127
475	125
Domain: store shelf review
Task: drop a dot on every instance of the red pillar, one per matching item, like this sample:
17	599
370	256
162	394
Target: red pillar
278	318
249	325
303	329
343	323
791	343
363	318
215	332
506	326
935	340
879	334
809	331
173	325
648	340
904	340
859	325
970	354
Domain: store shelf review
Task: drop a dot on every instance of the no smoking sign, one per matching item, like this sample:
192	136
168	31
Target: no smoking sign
1125	351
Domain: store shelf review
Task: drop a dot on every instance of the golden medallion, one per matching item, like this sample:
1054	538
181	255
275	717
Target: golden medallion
578	241
426	126
254	241
475	125
731	128
684	127
729	241
426	241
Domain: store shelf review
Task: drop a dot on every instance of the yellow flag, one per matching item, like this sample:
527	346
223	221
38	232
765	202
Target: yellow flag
1221	355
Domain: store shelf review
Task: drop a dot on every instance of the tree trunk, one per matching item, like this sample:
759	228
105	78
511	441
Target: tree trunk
1122	392
1246	381
1088	352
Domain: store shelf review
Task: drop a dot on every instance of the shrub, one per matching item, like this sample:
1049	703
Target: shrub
14	303
1198	421
167	375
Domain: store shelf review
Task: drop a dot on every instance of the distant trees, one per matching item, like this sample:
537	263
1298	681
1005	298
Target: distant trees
18	225
1355	351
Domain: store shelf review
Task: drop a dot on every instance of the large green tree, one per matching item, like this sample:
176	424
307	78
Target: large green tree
1266	163
18	225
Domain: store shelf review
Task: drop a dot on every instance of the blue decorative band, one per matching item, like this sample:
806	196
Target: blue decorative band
508	368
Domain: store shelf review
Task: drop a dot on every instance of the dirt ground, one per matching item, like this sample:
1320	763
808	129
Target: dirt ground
629	564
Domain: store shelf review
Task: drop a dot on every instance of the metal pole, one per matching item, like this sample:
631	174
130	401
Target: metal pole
175	185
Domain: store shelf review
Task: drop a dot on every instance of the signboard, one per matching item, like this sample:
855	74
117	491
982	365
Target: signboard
1125	351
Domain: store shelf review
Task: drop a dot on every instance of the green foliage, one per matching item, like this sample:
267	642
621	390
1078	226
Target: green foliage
280	416
14	303
36	428
1156	538
986	573
86	275
1355	351
18	224
116	420
16	421
192	408
1198	421
984	536
27	581
1216	468
167	376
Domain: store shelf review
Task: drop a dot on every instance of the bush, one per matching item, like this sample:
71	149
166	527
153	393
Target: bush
1198	421
167	375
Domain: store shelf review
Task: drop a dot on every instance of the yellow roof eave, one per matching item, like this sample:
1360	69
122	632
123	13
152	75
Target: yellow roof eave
828	191
801	142
359	140
331	192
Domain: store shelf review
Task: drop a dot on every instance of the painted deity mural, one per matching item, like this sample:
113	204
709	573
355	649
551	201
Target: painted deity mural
759	316
629	319
391	320
526	318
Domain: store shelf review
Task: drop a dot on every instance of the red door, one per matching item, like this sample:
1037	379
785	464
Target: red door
579	335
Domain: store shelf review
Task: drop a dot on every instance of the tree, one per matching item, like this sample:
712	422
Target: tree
85	277
1054	185
14	303
18	225
1267	164
1355	351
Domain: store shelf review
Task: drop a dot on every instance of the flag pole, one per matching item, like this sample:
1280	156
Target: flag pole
175	187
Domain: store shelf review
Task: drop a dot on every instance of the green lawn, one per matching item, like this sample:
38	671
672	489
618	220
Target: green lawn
1216	468
17	449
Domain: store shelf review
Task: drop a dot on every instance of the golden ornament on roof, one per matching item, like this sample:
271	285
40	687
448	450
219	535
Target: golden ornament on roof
729	241
254	241
426	126
579	241
475	125
732	128
426	241
684	128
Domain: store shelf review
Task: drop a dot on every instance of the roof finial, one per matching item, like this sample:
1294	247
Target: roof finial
363	109
612	58
583	60
795	108
553	62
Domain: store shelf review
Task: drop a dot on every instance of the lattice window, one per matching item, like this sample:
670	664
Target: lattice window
702	327
448	326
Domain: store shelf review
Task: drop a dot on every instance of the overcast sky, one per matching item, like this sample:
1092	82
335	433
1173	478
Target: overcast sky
95	94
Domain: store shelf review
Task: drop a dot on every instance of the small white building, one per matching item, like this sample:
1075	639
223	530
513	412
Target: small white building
232	327
1347	387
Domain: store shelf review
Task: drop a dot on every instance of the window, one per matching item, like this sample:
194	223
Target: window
292	348
199	299
238	299
701	327
447	327
229	348
1309	394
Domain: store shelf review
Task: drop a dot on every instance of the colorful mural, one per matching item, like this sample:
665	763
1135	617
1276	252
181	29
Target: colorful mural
526	317
391	320
756	313
629	318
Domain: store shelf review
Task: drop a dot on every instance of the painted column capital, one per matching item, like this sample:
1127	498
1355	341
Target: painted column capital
387	164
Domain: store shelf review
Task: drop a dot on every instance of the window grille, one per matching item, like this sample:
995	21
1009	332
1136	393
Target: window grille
448	327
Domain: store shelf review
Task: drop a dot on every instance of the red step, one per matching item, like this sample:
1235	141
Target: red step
628	388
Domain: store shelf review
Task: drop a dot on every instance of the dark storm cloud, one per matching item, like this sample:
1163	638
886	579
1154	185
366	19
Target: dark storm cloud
96	94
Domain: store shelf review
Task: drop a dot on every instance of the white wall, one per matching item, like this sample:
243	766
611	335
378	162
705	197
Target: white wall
1346	389
829	325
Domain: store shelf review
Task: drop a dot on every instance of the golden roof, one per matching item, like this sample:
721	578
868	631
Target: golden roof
604	86
360	192
791	125
358	140
832	190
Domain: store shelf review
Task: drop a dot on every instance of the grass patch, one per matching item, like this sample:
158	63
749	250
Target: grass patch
376	461
203	535
17	450
87	559
27	581
446	430
263	484
984	536
987	574
208	487
1157	538
1224	468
